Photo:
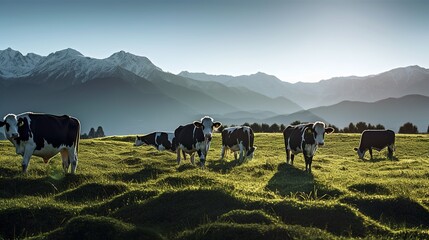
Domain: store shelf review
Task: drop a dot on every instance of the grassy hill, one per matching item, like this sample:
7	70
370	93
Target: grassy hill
126	192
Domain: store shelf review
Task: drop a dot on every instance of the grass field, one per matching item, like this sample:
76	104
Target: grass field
126	192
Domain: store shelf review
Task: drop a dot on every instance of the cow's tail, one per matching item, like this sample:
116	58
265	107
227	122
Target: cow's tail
77	136
251	141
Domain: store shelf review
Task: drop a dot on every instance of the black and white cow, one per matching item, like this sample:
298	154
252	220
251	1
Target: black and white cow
44	135
195	137
160	140
236	139
376	139
304	138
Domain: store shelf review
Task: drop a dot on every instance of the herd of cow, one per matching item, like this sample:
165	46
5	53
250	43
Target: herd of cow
46	135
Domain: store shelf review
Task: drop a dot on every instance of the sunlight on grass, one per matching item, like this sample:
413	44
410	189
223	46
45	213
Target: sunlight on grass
139	190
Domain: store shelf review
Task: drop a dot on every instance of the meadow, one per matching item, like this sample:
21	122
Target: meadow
126	192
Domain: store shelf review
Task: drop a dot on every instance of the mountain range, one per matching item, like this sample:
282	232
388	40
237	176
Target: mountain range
398	82
128	94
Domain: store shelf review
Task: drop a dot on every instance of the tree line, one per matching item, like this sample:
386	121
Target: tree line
407	128
93	134
359	127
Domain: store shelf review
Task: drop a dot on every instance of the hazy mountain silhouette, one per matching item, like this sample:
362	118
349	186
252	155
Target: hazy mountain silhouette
391	112
394	83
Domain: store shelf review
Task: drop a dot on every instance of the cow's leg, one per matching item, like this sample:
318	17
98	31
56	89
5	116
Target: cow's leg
235	155
65	157
178	155
192	158
308	161
370	152
184	154
287	156
73	159
390	150
222	152
241	158
292	157
202	156
26	158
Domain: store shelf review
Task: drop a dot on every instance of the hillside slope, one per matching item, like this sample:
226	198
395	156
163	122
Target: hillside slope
126	192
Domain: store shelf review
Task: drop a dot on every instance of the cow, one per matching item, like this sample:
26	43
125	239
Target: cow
195	137
239	138
376	139
160	140
304	138
44	135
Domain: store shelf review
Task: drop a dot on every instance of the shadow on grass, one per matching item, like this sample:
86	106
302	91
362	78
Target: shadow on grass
120	201
290	181
147	173
7	172
173	211
397	212
91	227
334	218
14	187
222	166
247	217
369	188
24	186
187	181
23	222
237	231
185	167
380	159
131	161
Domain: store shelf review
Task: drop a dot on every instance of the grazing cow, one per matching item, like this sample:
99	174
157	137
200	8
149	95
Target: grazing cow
304	138
238	138
376	139
195	137
160	140
44	135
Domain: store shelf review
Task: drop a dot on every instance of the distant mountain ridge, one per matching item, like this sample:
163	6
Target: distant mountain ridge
391	112
394	83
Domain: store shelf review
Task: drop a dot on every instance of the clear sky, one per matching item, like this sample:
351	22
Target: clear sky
296	40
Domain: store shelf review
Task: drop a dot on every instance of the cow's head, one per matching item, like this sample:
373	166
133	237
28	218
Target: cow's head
318	129
360	153
207	125
11	125
139	141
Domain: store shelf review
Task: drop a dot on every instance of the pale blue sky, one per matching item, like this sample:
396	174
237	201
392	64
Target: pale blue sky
294	40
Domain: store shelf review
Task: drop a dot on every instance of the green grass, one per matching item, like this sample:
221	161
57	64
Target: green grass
126	192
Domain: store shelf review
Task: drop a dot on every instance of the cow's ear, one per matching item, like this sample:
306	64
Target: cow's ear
198	124
309	130
356	149
2	123
329	130
217	124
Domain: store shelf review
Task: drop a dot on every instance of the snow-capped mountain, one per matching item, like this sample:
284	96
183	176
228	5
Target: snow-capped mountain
13	64
70	65
141	66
